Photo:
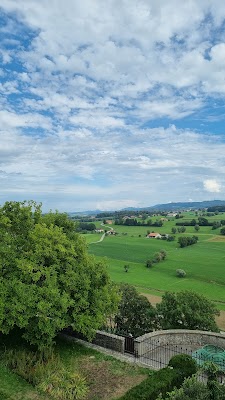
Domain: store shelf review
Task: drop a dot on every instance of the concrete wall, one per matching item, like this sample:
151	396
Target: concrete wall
177	337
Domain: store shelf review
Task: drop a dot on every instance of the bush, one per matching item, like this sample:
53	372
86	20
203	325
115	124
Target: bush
161	381
191	389
170	238
180	273
149	263
184	365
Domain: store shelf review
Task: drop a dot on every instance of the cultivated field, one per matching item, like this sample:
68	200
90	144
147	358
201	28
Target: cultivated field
203	262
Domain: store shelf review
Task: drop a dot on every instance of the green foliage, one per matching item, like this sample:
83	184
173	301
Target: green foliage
180	273
157	257
47	374
222	231
187	241
149	263
64	385
161	381
212	371
135	315
170	238
4	395
47	280
187	310
190	390
181	229
84	226
216	224
184	364
126	267
163	254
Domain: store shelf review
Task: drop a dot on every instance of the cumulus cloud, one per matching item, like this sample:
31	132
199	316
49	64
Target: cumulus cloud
212	185
100	95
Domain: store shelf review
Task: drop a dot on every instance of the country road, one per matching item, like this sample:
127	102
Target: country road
100	240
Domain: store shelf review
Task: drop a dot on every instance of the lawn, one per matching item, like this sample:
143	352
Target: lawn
15	388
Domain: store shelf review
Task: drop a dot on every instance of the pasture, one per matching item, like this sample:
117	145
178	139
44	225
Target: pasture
203	262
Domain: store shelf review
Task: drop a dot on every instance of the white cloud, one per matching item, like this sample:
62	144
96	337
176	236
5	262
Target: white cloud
83	83
212	185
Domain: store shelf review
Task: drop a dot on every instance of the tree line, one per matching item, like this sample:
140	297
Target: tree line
183	310
201	221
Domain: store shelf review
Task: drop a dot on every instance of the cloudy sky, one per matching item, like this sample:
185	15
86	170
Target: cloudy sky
112	103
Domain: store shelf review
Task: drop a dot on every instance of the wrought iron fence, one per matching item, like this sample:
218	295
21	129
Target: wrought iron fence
156	355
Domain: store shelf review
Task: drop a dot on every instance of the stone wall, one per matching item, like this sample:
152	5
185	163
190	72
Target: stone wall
109	341
102	339
177	337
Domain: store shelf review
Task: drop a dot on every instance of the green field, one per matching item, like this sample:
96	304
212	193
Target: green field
203	262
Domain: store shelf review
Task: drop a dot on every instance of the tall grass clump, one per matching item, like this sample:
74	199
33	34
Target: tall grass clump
47	373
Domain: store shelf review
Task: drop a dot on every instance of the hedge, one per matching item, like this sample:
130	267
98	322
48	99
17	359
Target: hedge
161	381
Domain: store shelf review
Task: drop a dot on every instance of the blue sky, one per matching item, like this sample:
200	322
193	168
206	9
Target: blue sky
108	104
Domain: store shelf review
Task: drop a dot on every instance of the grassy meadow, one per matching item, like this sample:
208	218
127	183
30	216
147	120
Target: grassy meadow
203	262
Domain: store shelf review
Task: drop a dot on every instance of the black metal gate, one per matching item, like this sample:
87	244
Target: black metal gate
129	345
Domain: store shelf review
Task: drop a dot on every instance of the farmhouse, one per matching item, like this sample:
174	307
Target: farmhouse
111	232
171	214
154	235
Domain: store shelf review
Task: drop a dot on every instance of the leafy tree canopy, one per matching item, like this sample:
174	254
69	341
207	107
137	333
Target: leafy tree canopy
187	310
135	315
47	280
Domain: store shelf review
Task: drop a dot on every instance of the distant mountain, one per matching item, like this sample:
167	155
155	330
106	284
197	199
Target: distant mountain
180	205
161	207
83	213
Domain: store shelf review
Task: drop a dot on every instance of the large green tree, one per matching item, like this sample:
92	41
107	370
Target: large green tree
136	316
187	310
47	280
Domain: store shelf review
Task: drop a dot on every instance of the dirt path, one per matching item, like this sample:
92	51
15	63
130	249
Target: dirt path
100	240
156	299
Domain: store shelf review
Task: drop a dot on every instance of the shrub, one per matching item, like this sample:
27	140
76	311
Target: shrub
161	381
149	263
222	231
191	389
184	365
157	257
170	238
126	267
180	273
